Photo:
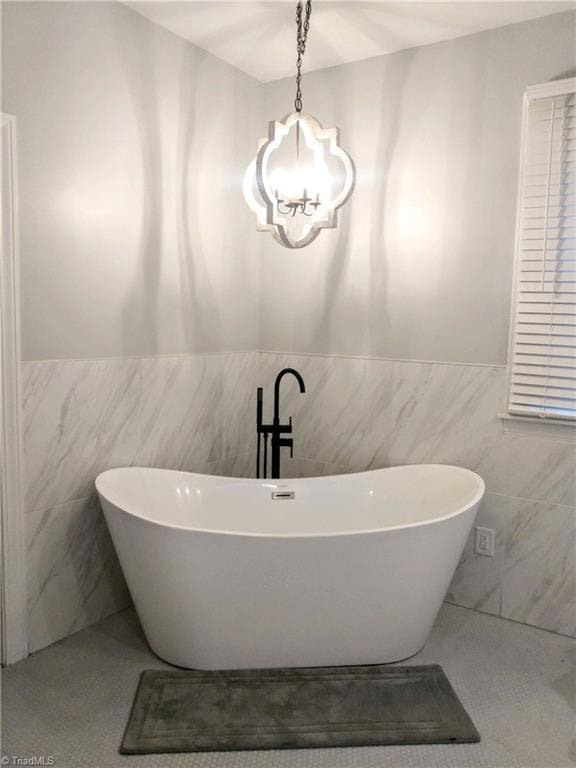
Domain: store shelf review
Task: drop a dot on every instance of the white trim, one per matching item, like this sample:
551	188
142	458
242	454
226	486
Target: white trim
516	267
227	353
377	359
163	356
554	429
553	88
12	539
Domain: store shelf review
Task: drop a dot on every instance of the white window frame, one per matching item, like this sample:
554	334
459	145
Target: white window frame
553	425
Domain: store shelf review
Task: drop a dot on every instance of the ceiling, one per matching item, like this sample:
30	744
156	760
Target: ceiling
259	37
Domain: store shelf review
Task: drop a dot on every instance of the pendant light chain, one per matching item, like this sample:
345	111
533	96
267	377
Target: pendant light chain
302	27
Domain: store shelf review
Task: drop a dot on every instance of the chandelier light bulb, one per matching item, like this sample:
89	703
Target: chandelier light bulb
301	184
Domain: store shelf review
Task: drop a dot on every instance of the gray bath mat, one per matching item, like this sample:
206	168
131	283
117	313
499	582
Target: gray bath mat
181	711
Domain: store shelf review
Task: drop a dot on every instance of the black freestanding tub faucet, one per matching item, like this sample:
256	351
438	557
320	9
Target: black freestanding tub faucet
276	429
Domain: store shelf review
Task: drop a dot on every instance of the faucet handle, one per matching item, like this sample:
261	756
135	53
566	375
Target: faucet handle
286	428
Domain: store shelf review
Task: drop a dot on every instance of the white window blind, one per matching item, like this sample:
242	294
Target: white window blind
543	340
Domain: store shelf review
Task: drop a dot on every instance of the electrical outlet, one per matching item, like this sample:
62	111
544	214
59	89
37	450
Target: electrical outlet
484	541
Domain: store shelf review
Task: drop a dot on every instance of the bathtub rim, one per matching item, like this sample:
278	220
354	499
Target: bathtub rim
476	499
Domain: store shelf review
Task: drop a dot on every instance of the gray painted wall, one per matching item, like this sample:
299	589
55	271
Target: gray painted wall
135	239
132	147
420	266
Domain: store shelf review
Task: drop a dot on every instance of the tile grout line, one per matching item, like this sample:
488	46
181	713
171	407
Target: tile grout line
532	500
37	510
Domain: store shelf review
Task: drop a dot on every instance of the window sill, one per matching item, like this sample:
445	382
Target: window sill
559	429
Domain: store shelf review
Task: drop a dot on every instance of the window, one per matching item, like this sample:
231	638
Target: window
542	381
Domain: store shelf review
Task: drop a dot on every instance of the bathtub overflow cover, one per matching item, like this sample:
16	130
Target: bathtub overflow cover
278	495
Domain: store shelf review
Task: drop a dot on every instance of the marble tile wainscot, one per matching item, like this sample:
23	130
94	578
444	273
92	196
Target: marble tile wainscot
361	414
196	412
81	417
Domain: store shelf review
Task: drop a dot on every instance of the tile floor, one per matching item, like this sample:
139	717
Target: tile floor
71	701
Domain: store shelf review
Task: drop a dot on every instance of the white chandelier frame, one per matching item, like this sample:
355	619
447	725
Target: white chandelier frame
268	217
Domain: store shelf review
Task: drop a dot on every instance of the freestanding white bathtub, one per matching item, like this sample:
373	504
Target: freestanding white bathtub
351	570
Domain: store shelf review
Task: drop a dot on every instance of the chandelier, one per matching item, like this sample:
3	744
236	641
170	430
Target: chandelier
300	176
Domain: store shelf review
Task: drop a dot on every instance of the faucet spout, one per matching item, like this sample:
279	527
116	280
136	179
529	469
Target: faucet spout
284	372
